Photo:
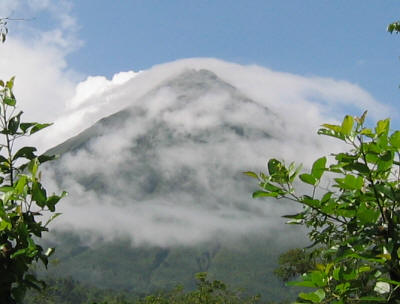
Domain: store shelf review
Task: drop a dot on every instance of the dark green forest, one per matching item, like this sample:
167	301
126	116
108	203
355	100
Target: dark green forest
70	291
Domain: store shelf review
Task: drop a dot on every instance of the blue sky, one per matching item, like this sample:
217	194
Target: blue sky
341	39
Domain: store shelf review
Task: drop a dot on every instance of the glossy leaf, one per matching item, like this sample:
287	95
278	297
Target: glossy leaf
308	178
318	168
347	125
25	152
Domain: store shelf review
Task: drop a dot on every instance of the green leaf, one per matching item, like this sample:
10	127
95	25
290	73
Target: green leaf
374	299
343	287
382	127
350	182
274	166
308	179
19	252
53	200
10	83
395	139
296	216
39	194
367	132
21	183
55	215
367	214
357	166
3	159
272	188
9	101
314	297
13	123
6	189
318	278
320	293
260	193
331	133
44	158
389	281
335	128
251	174
336	273
364	269
5	225
360	120
33	166
309	201
39	127
295	173
347	125
301	284
318	168
25	152
327	196
24	126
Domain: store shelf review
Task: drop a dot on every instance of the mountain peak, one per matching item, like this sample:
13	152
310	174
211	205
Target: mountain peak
194	97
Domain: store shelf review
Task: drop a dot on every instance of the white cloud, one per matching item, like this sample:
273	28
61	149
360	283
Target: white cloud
189	187
94	86
203	166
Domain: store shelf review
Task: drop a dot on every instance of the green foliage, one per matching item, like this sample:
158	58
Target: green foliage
23	202
69	291
207	292
354	222
293	263
394	27
118	265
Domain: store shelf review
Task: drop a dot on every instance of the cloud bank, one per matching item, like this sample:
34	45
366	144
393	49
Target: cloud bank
168	171
171	173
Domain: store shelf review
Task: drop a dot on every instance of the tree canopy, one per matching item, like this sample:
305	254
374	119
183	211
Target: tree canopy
353	221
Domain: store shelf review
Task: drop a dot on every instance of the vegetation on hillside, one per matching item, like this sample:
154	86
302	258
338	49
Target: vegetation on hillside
69	291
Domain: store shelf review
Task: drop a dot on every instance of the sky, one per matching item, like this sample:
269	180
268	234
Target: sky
343	40
340	39
308	62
